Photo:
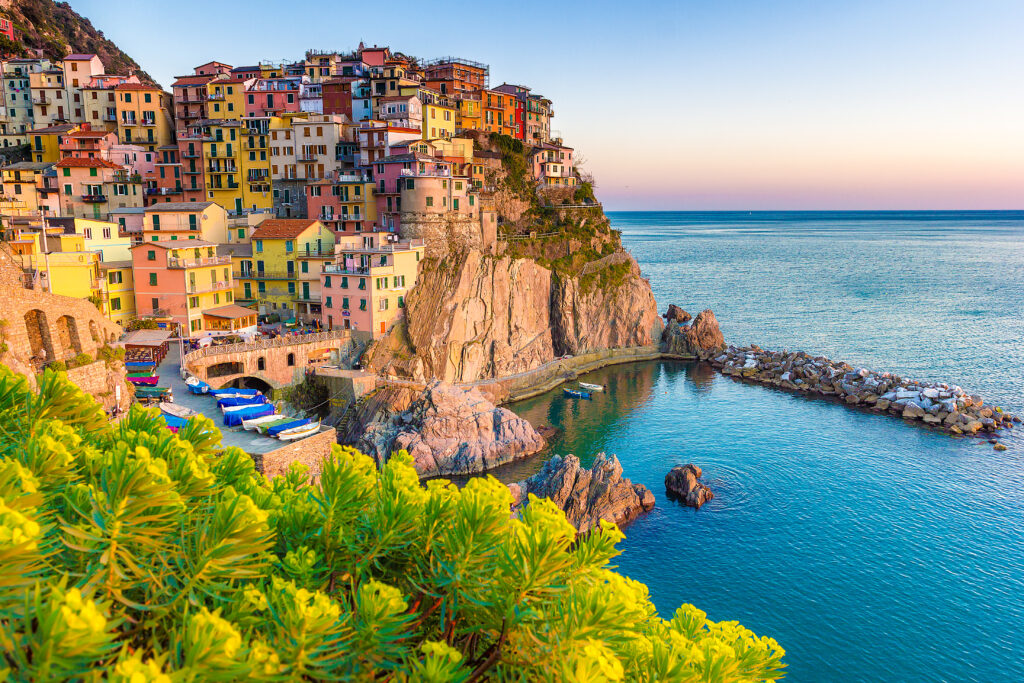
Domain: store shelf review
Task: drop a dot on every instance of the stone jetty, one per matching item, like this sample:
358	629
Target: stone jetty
943	406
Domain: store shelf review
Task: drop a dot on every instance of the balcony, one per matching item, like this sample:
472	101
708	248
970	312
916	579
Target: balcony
313	252
213	170
217	286
110	117
94	198
42	99
190	154
147	122
181	263
124	177
339	269
215	96
305	156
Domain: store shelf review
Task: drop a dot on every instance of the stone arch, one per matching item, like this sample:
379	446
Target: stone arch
291	360
248	382
94	331
261	363
39	334
224	369
111	337
67	335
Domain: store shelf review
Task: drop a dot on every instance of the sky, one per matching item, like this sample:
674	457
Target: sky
691	105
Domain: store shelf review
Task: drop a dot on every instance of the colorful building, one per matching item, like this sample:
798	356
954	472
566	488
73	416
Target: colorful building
366	287
181	281
178	221
29	189
45	143
345	203
100	100
553	165
236	158
143	115
394	172
117	291
79	71
90	188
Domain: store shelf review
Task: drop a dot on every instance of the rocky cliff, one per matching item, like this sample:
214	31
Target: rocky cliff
446	429
474	316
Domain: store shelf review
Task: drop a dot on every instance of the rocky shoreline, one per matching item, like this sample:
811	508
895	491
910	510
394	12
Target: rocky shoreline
942	406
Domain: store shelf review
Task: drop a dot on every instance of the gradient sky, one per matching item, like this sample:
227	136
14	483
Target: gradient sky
718	104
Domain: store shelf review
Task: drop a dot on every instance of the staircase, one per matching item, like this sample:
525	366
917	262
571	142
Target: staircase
353	409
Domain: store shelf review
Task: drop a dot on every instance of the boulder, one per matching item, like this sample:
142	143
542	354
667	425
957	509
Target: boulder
703	334
586	496
912	410
677	314
682	482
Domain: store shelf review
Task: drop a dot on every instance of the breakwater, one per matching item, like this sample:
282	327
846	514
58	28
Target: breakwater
943	406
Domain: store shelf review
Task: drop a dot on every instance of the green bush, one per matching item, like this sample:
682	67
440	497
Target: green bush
80	360
131	553
58	366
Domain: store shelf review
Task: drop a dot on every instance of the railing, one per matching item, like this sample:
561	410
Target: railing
212	287
148	122
306	157
391	248
276	343
314	251
94	198
190	155
175	262
264	275
338	269
110	118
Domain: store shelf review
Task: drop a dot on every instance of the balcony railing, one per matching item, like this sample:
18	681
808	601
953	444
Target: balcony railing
175	262
190	154
340	269
110	118
94	198
219	285
305	157
314	251
264	275
148	122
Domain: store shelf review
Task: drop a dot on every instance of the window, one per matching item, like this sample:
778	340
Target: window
291	359
67	189
327	281
155	303
288	246
152	279
92	172
430	201
115	304
259	246
384	304
147	97
114	277
67	172
196	325
344	283
401	302
241	233
362	304
261	363
344	303
305	266
328	302
362	283
192	222
193	302
156	222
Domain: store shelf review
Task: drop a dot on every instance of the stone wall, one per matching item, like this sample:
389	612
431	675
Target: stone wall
450	232
104	382
41	327
310	452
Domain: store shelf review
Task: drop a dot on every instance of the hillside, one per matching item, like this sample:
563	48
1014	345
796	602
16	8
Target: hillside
58	30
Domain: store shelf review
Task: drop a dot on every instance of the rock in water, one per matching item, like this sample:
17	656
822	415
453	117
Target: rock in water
701	338
682	482
449	430
586	496
677	314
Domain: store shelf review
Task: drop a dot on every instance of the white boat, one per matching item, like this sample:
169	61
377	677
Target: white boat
256	421
299	432
231	409
176	410
592	387
192	381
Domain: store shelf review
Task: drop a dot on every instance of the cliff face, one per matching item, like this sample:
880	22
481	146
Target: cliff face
473	316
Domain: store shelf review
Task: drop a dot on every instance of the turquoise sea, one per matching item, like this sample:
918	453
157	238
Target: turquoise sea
871	549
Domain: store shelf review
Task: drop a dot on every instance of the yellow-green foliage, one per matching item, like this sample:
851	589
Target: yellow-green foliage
131	553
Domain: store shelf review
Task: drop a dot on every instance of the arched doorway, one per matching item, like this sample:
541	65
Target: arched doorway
291	359
94	331
39	334
261	363
67	334
252	383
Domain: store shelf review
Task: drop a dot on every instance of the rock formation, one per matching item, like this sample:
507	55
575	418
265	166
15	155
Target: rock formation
941	405
677	314
586	496
682	482
701	338
473	316
447	430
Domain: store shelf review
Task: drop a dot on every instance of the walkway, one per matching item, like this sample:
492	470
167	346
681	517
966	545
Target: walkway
170	376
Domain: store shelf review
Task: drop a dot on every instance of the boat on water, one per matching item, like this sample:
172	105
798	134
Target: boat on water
254	423
177	410
300	432
152	391
264	427
150	380
592	387
576	394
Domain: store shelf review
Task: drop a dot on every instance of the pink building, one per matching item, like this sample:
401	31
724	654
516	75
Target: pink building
391	173
376	138
275	96
553	165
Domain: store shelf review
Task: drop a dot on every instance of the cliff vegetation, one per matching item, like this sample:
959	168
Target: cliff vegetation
130	553
57	30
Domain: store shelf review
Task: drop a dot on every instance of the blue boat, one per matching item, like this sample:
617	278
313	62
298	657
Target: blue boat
253	401
174	420
228	391
576	394
145	364
277	429
198	387
235	418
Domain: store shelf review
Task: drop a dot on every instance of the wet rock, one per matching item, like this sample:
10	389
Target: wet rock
586	496
999	447
677	314
682	482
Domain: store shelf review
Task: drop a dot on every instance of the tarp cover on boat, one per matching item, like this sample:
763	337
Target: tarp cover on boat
231	392
252	401
174	420
277	429
234	418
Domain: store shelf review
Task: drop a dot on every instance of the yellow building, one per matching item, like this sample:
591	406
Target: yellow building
143	116
226	98
29	188
118	291
468	114
45	142
236	160
438	121
283	269
185	221
63	266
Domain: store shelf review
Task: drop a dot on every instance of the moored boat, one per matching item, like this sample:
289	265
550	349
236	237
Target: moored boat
150	380
253	424
177	410
264	427
576	394
291	424
300	432
592	387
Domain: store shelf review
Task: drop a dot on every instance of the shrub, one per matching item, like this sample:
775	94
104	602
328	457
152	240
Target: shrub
58	366
129	552
80	360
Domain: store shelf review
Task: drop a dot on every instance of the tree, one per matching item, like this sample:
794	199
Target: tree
131	553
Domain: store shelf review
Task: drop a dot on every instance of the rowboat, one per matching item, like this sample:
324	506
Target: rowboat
152	392
223	403
277	429
237	417
177	410
299	432
576	394
241	406
254	423
141	373
147	381
200	387
266	426
174	422
230	392
592	387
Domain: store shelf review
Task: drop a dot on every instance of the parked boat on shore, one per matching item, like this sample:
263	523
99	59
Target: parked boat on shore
177	410
300	432
254	423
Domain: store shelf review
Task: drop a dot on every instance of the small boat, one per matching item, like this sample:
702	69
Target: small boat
136	365
241	406
224	403
147	381
141	373
230	392
299	432
174	422
200	387
253	424
152	392
592	387
238	417
576	394
277	429
262	428
177	410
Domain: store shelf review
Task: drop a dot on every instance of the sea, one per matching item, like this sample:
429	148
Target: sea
871	549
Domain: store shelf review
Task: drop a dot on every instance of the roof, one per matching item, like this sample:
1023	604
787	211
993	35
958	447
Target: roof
282	228
239	249
176	244
147	337
232	311
108	265
127	209
179	206
72	162
59	128
135	86
78	57
194	80
91	134
28	166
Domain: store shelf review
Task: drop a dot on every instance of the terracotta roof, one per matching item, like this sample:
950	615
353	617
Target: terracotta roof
176	244
194	80
91	134
231	311
282	228
70	162
179	206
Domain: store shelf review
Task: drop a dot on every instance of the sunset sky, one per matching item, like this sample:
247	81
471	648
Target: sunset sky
686	105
